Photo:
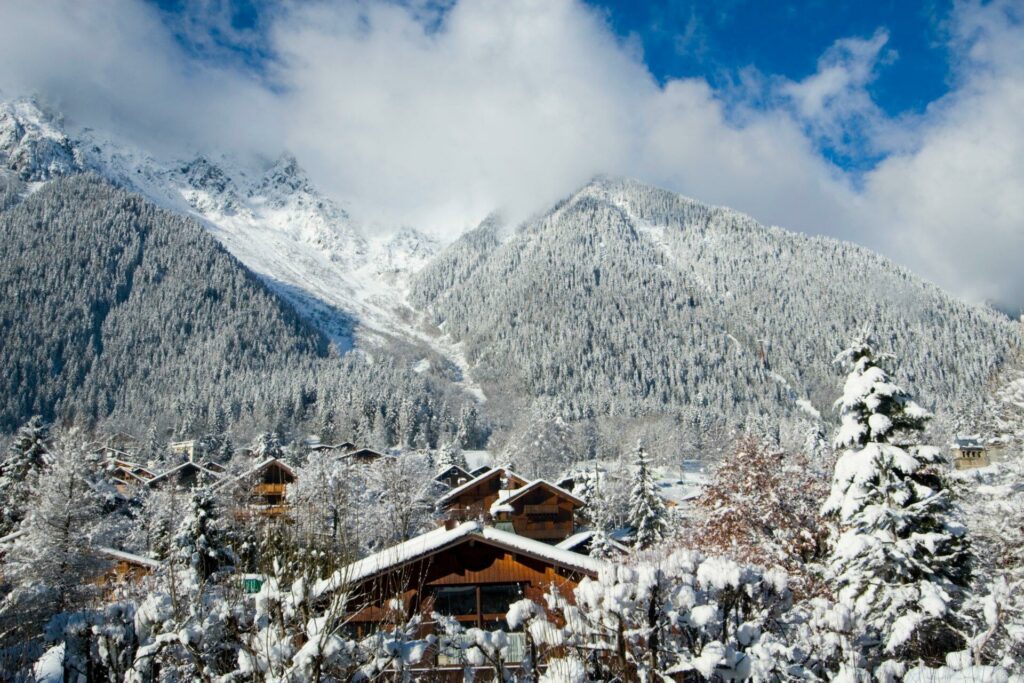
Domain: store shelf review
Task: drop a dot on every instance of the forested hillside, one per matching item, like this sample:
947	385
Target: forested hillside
114	309
626	299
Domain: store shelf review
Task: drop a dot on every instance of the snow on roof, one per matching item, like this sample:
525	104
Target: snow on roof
129	557
542	482
576	540
365	452
255	469
472	482
182	466
441	538
581	537
968	442
449	468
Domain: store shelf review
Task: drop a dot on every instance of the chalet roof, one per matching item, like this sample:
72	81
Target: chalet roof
455	492
480	470
580	538
448	469
440	539
131	558
256	469
366	452
174	470
541	483
968	443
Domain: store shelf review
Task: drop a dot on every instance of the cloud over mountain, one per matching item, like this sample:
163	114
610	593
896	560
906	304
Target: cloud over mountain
434	117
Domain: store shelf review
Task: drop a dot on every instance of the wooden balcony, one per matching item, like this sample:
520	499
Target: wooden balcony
540	509
269	489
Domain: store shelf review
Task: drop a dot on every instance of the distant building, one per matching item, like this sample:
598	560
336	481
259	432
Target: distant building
186	448
364	456
969	453
186	476
266	485
453	476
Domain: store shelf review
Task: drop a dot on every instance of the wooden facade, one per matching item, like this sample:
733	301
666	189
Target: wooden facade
473	575
540	511
473	500
453	476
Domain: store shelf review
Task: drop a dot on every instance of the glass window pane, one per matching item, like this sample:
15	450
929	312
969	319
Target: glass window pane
496	598
455	600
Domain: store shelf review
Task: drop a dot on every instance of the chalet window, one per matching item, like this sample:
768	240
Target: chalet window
456	601
496	598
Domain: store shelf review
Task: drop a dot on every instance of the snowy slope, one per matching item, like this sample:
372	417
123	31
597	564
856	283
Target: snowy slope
269	214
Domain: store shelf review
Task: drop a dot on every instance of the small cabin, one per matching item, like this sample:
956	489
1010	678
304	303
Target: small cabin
266	486
127	568
473	499
969	453
186	448
468	571
187	475
453	476
364	456
122	441
540	510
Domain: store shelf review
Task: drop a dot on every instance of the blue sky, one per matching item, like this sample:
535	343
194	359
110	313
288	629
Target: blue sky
893	124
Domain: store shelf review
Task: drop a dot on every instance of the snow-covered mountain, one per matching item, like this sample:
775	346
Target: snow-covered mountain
622	299
267	213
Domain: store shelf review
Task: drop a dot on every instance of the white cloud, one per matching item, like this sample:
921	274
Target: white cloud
512	105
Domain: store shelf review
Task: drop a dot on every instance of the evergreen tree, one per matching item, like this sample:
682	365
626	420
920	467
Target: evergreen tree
52	566
601	542
267	445
899	558
646	509
450	454
199	541
29	453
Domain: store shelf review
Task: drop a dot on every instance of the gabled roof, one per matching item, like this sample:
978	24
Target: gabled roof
541	483
580	538
448	469
256	469
366	452
440	539
130	558
480	470
455	492
174	470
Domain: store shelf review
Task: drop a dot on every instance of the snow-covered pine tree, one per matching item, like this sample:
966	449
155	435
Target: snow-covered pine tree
450	454
52	566
601	542
647	514
28	455
899	558
198	541
267	445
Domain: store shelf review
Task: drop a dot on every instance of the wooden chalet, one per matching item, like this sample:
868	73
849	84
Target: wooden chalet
187	475
540	510
186	448
122	441
127	475
127	568
473	499
364	456
453	476
467	571
266	485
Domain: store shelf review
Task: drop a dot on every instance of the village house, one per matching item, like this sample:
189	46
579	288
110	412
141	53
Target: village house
265	486
186	448
126	568
186	476
364	456
453	476
538	510
468	571
969	453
